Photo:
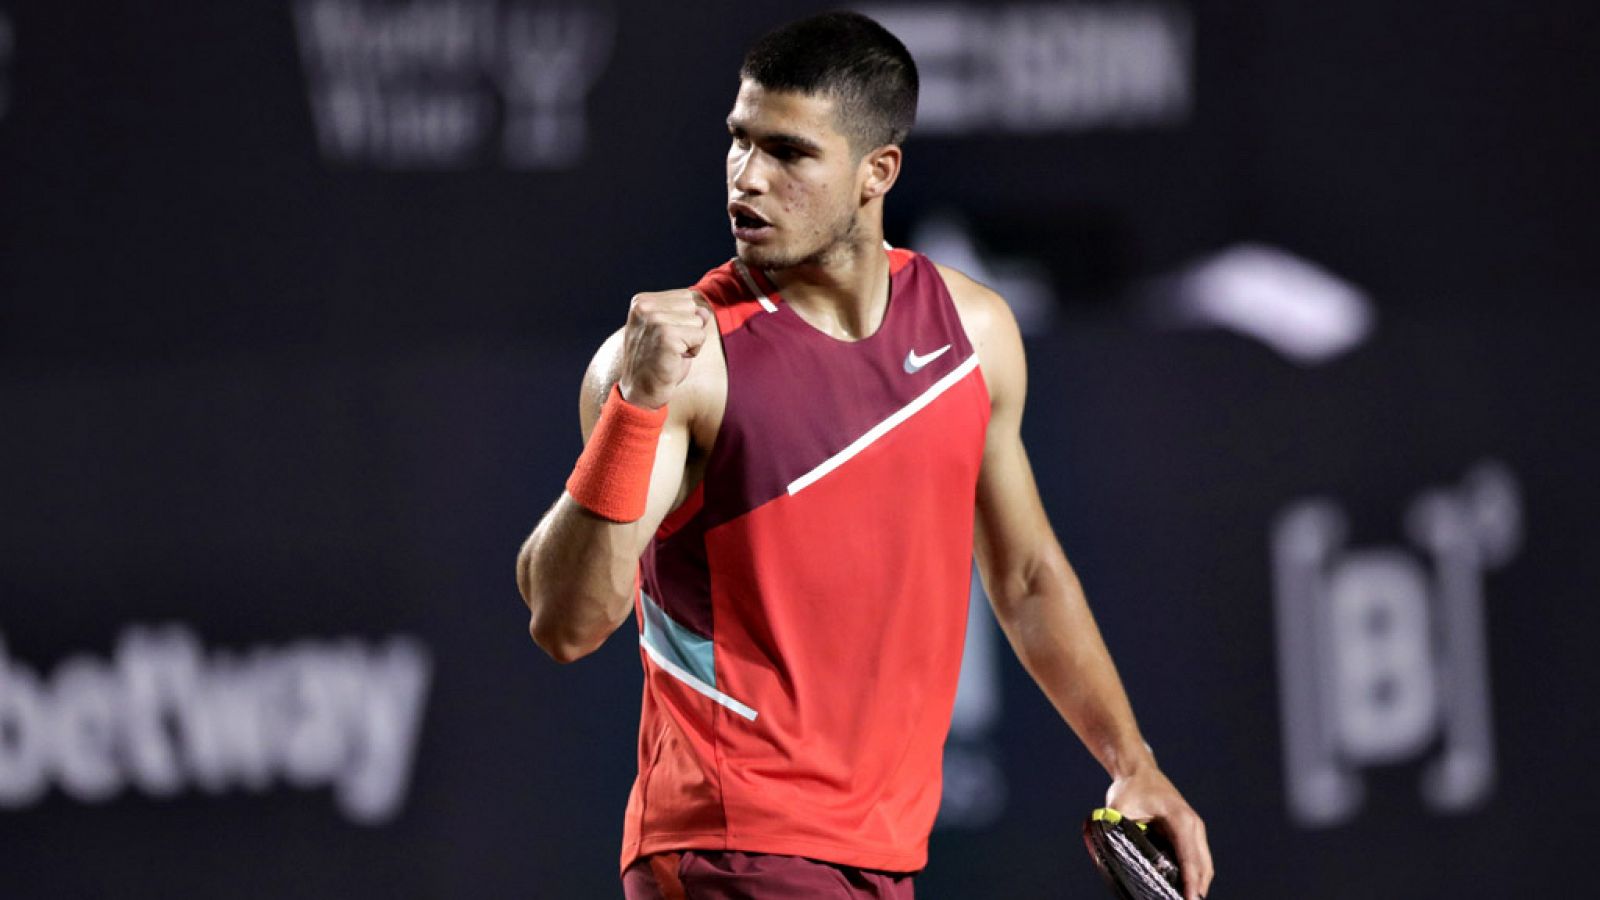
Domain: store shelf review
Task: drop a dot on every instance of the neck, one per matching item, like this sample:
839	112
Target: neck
845	293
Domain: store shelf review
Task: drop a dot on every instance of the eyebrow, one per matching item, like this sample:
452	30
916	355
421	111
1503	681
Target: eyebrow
794	140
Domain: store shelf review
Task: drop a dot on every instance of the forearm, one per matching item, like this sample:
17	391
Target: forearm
576	574
577	571
1047	620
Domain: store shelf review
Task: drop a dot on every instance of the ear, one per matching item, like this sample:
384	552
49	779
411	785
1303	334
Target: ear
880	167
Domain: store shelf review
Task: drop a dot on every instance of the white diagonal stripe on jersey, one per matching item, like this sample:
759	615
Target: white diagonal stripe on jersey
678	672
882	428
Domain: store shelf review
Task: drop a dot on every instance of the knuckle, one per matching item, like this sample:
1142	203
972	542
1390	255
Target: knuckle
650	299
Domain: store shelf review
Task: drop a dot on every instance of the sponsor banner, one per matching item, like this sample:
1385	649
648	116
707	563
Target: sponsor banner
451	84
1381	657
163	715
1032	68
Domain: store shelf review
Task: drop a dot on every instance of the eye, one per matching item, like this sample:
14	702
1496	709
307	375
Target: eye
785	153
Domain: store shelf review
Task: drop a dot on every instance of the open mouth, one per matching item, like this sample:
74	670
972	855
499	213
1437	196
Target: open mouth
747	224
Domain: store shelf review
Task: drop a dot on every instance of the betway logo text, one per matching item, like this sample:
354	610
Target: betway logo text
163	716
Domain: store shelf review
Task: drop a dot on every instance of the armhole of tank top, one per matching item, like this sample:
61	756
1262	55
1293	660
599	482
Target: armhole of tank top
736	323
694	503
716	439
954	312
972	347
685	512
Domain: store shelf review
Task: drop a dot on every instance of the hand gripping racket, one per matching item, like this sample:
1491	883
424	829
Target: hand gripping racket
1129	858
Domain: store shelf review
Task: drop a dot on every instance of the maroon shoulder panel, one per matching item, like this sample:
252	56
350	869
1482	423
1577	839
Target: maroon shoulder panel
797	396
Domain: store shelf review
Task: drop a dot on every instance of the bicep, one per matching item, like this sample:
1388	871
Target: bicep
1012	535
1013	538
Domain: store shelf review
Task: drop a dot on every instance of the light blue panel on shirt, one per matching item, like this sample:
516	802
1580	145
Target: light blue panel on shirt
686	650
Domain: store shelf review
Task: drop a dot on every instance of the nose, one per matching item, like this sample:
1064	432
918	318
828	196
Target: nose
745	173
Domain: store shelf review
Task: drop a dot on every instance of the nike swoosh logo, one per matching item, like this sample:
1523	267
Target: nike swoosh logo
914	363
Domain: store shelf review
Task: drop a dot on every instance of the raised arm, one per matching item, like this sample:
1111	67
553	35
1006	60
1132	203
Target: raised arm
1040	604
576	570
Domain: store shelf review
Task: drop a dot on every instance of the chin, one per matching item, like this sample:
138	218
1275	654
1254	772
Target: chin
761	257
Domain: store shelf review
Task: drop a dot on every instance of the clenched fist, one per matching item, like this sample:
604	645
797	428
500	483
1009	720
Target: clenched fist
664	333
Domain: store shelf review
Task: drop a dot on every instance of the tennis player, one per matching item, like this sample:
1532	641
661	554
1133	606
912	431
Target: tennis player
787	469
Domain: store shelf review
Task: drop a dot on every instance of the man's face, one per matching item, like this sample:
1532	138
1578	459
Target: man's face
793	179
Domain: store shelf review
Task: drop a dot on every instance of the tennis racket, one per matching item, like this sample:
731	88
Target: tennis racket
1136	863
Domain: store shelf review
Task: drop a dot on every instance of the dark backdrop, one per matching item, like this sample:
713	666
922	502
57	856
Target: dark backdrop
294	300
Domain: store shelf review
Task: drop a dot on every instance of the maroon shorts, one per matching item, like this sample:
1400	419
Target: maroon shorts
732	875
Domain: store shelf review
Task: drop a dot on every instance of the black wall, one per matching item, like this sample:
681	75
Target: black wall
302	405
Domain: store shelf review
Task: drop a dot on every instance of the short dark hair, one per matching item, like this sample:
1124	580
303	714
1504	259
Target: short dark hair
847	55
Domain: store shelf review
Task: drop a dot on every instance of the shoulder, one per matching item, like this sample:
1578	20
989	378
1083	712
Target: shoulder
984	313
992	329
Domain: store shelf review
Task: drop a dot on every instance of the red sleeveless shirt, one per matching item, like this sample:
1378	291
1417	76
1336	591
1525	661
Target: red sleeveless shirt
801	616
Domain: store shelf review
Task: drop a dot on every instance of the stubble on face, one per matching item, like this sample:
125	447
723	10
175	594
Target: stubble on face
812	205
829	242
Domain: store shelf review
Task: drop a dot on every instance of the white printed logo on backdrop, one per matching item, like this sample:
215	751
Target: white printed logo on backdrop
163	716
1036	67
452	84
1308	314
1382	652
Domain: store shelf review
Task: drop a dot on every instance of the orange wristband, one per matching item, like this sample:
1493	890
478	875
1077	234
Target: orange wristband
612	477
